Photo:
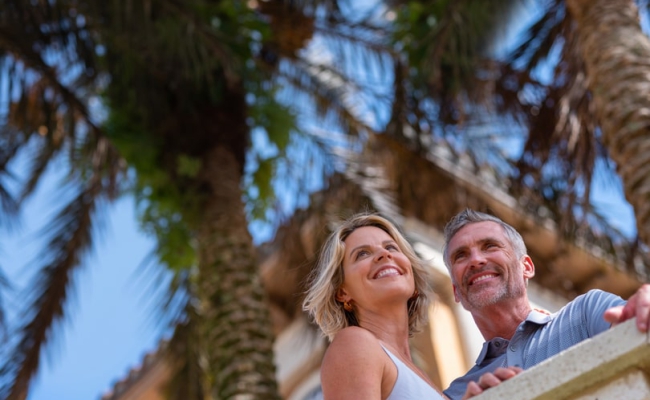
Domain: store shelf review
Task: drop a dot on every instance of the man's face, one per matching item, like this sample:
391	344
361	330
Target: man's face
484	268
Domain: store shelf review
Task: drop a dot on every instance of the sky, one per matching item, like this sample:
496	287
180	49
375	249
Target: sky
108	330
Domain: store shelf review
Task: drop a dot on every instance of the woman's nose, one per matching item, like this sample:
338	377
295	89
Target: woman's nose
381	253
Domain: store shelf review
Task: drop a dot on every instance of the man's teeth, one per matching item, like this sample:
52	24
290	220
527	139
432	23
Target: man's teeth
387	271
481	278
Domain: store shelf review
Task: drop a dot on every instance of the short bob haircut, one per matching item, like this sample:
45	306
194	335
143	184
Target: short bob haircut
327	277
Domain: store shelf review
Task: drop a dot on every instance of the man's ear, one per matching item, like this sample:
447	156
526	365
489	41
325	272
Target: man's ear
529	267
455	294
342	295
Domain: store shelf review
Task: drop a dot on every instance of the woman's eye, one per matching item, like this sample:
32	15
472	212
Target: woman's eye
360	253
392	247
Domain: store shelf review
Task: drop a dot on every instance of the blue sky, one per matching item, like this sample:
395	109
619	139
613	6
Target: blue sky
108	330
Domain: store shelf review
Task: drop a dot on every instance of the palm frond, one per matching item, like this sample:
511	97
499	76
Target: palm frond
5	286
332	95
540	38
71	239
562	147
8	149
322	68
167	293
172	301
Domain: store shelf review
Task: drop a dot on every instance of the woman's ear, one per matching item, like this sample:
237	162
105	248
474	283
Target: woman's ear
342	295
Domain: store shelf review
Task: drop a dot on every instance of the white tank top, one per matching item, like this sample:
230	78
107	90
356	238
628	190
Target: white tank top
408	385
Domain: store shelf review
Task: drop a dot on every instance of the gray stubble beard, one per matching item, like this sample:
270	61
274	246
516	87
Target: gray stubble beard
476	301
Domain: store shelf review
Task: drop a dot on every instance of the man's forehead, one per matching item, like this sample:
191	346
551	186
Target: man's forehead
477	231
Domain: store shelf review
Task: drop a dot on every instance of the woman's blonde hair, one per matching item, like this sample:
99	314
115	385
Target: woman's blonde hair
327	278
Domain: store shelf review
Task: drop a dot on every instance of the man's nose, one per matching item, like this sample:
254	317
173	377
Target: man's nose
477	258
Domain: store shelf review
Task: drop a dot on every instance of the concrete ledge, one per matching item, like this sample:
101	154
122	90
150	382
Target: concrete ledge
614	365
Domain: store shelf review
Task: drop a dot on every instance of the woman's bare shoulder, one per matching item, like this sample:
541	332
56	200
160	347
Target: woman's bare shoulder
354	364
355	334
356	340
353	345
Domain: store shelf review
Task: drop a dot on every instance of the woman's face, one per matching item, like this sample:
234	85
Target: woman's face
374	268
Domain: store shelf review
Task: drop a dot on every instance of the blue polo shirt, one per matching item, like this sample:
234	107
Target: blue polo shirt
541	336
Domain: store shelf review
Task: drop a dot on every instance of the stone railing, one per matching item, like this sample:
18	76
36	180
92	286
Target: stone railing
614	365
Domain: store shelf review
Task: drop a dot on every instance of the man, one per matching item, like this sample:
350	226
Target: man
489	270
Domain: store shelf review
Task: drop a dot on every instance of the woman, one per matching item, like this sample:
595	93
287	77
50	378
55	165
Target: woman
369	294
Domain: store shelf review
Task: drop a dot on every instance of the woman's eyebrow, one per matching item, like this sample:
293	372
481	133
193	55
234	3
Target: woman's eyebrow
357	248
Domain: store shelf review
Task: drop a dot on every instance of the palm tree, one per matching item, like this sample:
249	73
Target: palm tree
615	52
181	87
451	88
587	111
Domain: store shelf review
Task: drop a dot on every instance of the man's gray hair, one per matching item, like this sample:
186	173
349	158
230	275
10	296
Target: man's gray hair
469	216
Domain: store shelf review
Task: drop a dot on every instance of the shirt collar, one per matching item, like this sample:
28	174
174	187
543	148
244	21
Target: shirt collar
497	345
539	317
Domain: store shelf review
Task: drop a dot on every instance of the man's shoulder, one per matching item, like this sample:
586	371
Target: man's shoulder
591	297
596	293
585	312
594	297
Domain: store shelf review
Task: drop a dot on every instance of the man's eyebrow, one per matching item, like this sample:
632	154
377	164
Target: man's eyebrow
491	239
484	240
457	250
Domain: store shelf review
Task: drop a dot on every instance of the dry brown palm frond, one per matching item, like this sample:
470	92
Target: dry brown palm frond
562	144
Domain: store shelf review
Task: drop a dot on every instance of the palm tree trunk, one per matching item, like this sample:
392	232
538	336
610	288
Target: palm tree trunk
236	332
617	57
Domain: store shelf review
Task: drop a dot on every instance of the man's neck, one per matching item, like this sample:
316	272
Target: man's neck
502	319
